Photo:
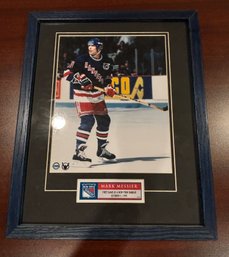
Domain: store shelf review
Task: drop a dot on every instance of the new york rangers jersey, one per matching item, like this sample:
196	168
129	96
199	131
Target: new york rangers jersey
99	71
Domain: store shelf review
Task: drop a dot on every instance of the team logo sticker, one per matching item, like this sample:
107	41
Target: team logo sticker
110	191
65	165
89	190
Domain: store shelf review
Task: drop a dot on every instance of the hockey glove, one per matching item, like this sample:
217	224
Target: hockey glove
84	82
110	91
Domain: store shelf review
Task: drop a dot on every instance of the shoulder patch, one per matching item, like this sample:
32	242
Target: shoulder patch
106	66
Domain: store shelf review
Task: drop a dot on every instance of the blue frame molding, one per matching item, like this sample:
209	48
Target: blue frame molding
16	229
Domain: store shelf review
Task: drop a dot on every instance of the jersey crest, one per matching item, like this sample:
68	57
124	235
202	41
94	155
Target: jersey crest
93	71
98	71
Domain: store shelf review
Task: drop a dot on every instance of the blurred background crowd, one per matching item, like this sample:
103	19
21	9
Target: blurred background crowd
132	55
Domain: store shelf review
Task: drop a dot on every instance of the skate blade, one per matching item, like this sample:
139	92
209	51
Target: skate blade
104	160
80	164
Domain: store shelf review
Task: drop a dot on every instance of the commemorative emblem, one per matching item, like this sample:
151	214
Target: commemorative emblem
110	191
106	66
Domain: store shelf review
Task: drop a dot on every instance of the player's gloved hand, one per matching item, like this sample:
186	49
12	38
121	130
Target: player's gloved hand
110	91
84	81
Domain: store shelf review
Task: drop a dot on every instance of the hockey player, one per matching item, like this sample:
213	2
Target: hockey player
90	70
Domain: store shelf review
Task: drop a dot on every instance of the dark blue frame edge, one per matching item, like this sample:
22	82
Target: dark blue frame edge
134	232
202	133
22	128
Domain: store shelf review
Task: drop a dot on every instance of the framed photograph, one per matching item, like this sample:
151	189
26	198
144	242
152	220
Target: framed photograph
112	138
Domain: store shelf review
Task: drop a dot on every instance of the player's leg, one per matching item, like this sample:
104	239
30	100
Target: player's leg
82	135
102	131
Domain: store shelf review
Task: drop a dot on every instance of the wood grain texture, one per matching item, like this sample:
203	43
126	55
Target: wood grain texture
214	25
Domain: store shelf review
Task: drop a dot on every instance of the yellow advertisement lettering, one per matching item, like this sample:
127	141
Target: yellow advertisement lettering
115	84
138	89
125	85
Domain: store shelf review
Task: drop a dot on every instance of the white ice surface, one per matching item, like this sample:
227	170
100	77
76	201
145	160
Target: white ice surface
140	139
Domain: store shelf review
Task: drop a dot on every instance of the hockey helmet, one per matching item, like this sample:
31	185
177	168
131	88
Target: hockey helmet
96	42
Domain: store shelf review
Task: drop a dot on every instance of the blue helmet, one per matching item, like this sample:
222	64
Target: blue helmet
96	42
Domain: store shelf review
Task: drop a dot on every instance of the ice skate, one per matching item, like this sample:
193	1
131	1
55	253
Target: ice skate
80	159
105	155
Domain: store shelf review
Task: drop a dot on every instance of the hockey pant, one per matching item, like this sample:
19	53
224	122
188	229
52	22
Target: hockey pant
86	124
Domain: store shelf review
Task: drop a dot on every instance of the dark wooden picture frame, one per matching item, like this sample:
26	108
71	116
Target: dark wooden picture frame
196	113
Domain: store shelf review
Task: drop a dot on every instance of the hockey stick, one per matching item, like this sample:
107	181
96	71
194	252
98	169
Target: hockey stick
165	108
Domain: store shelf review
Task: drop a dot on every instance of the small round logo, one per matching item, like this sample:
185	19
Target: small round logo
56	165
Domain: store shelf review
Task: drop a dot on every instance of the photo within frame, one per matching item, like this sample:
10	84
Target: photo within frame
138	76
